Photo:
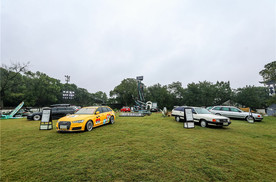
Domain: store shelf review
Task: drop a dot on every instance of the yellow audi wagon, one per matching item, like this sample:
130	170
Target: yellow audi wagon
86	119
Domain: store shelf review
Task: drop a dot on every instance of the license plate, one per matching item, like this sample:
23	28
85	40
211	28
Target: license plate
225	124
63	126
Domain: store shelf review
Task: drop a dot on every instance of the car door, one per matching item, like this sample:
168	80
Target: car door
99	116
236	113
106	115
195	115
225	112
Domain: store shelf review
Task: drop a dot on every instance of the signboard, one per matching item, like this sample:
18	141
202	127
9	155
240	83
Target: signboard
188	118
46	120
46	115
250	118
67	94
139	78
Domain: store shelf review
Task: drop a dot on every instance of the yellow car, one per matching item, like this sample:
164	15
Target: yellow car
86	119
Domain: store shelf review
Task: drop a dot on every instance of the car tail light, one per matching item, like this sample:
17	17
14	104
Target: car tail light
259	116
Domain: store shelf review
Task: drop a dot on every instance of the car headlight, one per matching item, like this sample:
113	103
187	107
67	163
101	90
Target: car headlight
79	121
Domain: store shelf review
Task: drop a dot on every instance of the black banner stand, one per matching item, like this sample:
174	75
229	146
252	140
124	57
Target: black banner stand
188	118
46	122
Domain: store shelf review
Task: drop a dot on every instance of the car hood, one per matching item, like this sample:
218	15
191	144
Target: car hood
210	116
75	117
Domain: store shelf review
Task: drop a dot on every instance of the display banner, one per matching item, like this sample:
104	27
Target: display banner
188	118
46	122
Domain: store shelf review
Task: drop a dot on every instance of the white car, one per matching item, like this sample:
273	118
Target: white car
233	112
202	116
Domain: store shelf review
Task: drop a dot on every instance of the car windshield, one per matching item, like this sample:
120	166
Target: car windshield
86	111
202	111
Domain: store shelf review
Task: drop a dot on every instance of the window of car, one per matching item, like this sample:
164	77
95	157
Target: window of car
179	109
234	110
86	111
108	109
100	110
225	109
217	108
201	111
104	109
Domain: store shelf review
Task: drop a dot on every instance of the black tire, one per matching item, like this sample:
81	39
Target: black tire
111	120
89	126
36	117
203	123
177	118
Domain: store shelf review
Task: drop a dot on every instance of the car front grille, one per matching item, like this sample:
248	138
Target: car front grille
67	123
223	120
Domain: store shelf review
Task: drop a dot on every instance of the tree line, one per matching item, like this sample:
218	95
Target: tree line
38	90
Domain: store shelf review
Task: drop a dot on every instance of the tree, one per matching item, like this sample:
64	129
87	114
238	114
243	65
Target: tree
269	78
9	77
42	89
177	93
251	96
207	94
201	94
125	92
223	92
269	73
160	94
99	97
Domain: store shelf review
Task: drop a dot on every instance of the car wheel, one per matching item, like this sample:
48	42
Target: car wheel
111	120
203	123
89	126
177	118
250	119
36	117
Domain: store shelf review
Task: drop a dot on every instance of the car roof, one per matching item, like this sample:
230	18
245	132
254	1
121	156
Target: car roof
95	106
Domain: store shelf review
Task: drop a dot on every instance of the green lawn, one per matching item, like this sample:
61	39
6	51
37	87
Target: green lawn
151	148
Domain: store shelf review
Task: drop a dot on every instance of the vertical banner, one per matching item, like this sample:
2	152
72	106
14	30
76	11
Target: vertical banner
46	122
188	118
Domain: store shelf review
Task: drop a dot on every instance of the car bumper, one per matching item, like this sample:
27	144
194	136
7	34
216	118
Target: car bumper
219	123
66	126
258	119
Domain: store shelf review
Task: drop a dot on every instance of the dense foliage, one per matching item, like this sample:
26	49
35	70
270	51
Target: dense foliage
38	89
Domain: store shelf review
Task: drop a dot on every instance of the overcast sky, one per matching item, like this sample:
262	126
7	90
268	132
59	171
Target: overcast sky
99	42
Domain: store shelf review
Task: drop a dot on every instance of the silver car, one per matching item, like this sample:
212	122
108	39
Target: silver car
201	116
233	112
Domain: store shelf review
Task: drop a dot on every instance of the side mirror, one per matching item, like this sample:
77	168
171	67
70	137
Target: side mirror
98	112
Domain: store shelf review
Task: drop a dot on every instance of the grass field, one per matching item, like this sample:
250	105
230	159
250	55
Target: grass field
151	148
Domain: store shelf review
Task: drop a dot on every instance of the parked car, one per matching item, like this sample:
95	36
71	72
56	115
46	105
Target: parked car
57	112
234	112
125	109
201	116
86	119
